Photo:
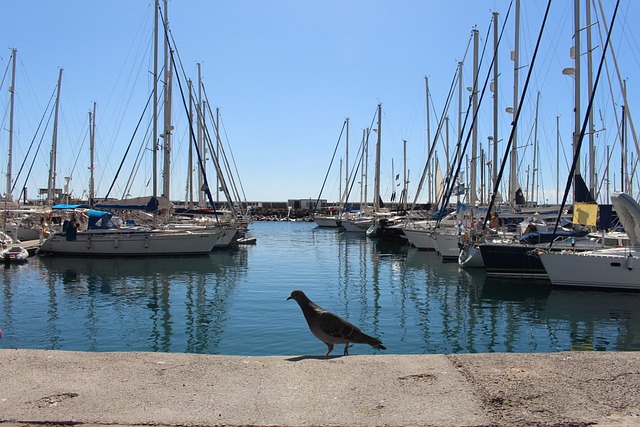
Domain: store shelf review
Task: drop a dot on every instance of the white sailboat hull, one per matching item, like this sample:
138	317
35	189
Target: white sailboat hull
421	239
447	244
357	225
327	221
137	242
616	268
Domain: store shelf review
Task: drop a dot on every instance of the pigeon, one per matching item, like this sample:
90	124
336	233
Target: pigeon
331	329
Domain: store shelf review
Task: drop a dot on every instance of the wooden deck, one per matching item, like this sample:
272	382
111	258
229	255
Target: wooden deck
30	245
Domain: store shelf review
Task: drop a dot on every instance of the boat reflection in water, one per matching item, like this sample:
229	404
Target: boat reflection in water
149	304
586	320
234	302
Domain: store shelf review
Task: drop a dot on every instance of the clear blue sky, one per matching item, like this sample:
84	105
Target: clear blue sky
285	75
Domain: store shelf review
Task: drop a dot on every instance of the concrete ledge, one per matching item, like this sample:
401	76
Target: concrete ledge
557	389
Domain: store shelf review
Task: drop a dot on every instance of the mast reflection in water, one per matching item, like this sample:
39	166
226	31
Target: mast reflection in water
234	302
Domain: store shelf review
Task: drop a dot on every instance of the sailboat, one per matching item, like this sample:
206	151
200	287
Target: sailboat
334	218
92	232
613	268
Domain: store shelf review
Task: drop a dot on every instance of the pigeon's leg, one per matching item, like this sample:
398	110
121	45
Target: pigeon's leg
346	349
330	347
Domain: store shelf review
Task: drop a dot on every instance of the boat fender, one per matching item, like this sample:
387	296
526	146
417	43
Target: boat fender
115	243
630	262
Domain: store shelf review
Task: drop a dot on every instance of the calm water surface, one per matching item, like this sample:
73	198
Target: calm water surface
233	302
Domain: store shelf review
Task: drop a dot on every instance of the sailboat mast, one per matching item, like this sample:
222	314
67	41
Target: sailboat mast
168	69
12	89
513	181
362	172
459	139
92	138
201	144
474	136
592	148
558	160
365	134
155	101
54	146
430	187
495	100
576	59
376	181
346	165
623	152
404	178
534	165
189	194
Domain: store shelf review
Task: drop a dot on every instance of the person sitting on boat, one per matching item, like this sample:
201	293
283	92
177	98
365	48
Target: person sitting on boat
494	221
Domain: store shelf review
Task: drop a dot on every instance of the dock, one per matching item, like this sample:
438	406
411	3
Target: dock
31	246
44	387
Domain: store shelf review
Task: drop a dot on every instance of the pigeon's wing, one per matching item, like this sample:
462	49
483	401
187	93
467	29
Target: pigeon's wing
336	326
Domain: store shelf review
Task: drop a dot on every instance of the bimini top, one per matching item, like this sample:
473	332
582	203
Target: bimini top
99	219
628	212
63	206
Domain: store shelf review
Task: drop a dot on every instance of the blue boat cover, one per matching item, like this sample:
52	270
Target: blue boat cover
63	206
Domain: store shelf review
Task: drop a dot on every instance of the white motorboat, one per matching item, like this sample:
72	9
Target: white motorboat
15	253
616	268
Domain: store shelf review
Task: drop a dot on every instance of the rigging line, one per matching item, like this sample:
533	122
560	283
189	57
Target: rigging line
137	164
353	175
6	71
225	162
75	163
435	139
515	120
233	161
359	157
33	161
460	151
26	156
615	62
106	196
219	169
452	179
227	165
207	190
344	124
244	196
585	122
192	137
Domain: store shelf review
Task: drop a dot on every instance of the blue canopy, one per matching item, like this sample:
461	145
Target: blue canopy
99	219
64	206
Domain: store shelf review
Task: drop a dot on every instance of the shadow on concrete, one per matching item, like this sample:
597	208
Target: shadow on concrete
300	358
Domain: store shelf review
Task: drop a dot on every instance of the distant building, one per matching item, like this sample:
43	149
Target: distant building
307	204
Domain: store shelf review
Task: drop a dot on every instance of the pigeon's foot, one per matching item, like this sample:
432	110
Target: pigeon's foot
346	348
330	348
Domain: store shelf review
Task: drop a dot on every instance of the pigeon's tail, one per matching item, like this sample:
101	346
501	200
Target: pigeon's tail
376	343
363	338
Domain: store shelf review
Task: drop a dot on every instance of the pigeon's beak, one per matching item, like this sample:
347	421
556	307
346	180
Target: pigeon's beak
290	297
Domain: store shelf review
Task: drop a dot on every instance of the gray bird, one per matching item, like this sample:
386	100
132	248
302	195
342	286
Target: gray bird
332	329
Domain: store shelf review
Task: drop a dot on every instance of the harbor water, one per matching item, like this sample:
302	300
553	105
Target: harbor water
234	302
